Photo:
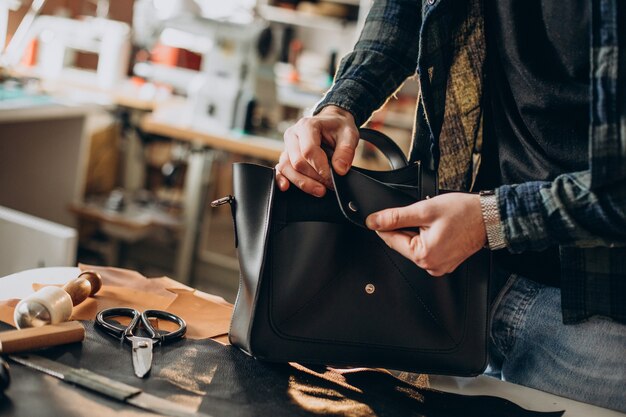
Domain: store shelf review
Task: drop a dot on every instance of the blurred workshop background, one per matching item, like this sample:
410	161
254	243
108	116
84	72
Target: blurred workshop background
120	121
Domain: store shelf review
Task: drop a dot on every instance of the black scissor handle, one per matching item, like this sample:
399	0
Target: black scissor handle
164	315
121	332
124	332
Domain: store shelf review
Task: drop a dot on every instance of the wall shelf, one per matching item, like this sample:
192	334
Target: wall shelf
303	19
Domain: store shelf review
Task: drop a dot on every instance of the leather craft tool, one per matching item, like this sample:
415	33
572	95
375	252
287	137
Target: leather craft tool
141	346
13	341
105	386
51	305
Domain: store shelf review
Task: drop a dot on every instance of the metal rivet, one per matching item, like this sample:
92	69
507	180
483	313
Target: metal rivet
431	2
370	288
352	206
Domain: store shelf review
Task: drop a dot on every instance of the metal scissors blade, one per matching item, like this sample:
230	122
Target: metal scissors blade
142	355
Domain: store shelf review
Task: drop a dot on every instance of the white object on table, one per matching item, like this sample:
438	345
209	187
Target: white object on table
19	284
27	241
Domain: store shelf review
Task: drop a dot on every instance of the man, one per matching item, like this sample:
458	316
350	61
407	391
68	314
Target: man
525	99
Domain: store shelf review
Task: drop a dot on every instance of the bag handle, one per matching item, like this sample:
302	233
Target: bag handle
397	159
361	192
387	146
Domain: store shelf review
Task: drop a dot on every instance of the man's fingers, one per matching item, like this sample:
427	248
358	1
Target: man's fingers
397	218
309	141
347	140
304	162
317	158
281	180
306	184
299	162
406	244
410	246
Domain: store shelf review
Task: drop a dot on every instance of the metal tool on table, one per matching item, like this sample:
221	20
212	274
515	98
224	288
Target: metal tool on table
141	345
105	386
51	305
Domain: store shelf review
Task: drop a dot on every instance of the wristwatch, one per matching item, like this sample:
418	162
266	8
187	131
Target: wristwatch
491	216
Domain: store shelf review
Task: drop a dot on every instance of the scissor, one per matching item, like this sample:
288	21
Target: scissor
141	346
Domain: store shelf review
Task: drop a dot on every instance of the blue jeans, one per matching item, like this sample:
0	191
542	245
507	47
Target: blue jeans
531	346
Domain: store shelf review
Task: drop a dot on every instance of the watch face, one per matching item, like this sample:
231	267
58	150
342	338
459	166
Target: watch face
487	192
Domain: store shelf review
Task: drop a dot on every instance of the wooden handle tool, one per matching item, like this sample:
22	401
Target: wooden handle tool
13	341
51	305
85	285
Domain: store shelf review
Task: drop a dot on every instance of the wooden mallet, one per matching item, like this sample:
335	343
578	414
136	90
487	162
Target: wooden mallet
51	305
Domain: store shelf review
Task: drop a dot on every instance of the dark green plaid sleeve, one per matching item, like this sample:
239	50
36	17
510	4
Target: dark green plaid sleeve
566	211
589	225
382	59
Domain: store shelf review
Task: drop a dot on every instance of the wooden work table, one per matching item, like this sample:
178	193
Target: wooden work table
248	145
19	285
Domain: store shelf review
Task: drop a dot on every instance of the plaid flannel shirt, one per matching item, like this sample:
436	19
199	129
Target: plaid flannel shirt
441	42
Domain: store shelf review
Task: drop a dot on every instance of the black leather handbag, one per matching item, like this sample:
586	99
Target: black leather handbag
318	287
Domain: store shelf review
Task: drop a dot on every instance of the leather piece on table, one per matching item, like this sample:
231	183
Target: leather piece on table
222	381
120	277
6	311
110	296
207	316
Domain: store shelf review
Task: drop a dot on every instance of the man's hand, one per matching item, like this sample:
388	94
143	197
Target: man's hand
304	163
451	230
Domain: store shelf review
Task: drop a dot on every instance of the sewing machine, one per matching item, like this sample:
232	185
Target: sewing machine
59	40
229	83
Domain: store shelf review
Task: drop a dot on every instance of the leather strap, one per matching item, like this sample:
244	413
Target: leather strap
397	159
388	147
